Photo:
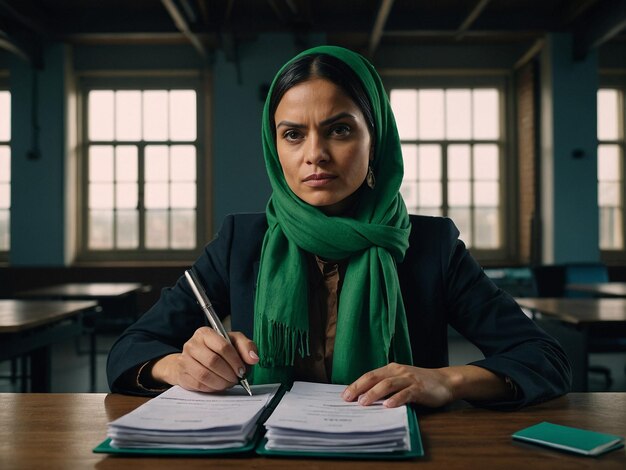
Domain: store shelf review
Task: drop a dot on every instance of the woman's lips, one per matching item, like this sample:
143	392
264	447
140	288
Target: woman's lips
318	179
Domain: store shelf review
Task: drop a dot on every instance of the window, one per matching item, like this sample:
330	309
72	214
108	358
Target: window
141	173
611	168
5	172
453	150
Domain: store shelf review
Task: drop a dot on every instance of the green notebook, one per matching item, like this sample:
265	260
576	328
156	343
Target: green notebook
580	441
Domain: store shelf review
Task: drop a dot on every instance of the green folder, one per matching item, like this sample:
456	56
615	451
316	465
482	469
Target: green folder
580	441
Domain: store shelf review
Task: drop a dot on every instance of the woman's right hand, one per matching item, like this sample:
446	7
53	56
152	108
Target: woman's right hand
207	363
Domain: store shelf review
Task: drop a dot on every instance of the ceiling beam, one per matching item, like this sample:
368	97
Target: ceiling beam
530	53
471	18
182	24
379	26
603	24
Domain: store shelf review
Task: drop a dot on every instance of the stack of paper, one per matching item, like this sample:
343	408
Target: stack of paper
180	419
314	417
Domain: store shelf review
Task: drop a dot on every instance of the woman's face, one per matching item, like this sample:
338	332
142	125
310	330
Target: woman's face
323	144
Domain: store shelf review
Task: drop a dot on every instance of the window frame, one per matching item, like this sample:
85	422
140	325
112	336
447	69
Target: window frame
502	81
145	80
616	81
4	86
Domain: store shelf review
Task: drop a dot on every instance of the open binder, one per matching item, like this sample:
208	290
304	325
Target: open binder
172	407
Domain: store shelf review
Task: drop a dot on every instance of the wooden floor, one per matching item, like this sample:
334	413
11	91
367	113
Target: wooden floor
71	368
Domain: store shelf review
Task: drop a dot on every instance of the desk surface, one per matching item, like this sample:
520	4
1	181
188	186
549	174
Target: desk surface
59	431
21	315
87	290
578	311
607	289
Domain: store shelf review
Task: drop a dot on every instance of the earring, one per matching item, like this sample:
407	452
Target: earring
370	179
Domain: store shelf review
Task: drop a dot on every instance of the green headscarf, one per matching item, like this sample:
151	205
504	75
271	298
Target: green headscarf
371	321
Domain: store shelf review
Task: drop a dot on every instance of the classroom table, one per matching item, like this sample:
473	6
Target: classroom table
581	325
117	300
60	430
600	289
30	327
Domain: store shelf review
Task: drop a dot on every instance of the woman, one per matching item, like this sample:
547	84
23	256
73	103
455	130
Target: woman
336	282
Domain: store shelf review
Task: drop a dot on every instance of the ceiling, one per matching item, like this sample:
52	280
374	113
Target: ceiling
363	25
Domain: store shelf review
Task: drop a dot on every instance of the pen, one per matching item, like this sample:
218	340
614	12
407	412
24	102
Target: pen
214	320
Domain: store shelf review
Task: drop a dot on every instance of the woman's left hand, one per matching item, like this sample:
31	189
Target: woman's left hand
401	384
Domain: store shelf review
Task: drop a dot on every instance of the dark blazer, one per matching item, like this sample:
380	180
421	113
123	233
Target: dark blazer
441	285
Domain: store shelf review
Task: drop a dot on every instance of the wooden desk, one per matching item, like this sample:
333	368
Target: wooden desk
117	300
581	325
602	289
29	327
84	291
59	431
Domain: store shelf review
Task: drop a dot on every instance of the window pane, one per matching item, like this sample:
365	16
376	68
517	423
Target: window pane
486	162
431	211
611	228
486	223
101	196
156	196
128	115
156	229
459	194
156	163
5	116
609	163
127	227
404	105
429	162
5	195
429	194
409	156
100	117
5	164
183	163
126	196
431	113
458	162
608	115
155	115
182	115
100	163
126	163
183	229
5	235
609	194
486	194
183	195
486	114
409	194
100	230
462	219
458	114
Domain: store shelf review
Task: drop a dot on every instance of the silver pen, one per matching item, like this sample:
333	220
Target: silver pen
214	320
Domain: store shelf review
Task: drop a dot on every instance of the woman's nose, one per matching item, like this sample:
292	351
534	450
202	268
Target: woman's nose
316	151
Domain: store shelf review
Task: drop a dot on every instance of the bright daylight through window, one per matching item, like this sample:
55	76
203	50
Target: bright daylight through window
142	163
5	169
451	144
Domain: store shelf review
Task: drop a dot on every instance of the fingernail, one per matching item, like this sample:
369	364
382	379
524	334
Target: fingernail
389	403
242	372
253	355
347	395
363	400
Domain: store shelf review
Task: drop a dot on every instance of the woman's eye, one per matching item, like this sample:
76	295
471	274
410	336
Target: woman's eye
340	130
291	135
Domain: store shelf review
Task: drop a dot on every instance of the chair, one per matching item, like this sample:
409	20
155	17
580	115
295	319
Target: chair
588	273
516	281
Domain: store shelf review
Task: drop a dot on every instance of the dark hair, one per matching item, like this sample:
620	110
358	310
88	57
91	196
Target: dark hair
322	66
